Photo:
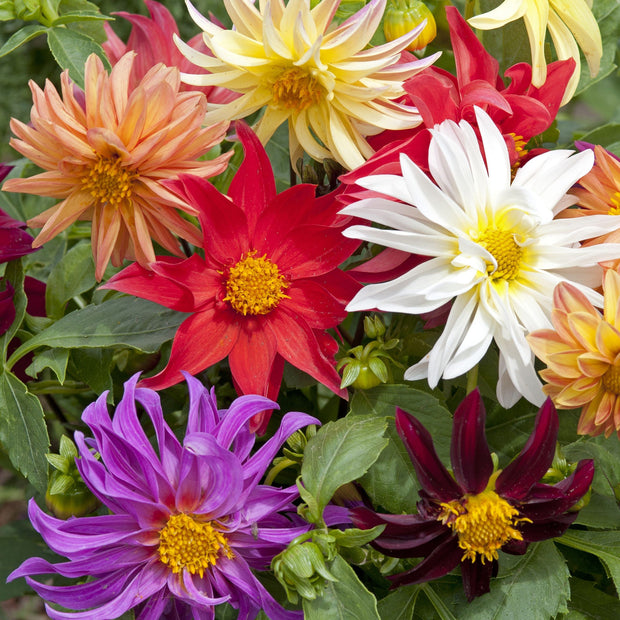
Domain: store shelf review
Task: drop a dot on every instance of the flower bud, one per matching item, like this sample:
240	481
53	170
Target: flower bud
402	16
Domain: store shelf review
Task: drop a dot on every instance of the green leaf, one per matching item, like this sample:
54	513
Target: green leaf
391	481
71	49
25	34
533	586
607	135
81	16
120	321
601	513
340	452
23	433
604	545
589	602
14	275
55	359
400	604
345	599
73	275
92	366
606	455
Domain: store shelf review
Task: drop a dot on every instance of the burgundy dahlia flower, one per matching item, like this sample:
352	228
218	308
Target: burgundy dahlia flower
14	240
187	522
466	517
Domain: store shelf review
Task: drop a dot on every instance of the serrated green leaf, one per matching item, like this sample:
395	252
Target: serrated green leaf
71	49
601	513
25	34
391	481
120	321
604	545
400	604
54	359
73	275
345	599
23	433
590	602
533	586
340	452
353	537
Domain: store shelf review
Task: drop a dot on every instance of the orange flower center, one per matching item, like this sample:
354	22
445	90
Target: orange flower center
255	285
611	379
108	181
483	522
505	250
296	89
185	543
615	204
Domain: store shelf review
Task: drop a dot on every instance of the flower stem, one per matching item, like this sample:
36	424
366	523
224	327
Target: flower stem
276	469
472	379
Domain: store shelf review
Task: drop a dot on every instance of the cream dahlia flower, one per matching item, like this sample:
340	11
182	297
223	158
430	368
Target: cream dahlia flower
332	91
106	154
495	249
571	25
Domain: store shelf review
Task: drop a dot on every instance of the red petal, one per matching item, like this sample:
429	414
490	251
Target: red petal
253	187
432	475
201	340
310	300
435	95
535	458
469	451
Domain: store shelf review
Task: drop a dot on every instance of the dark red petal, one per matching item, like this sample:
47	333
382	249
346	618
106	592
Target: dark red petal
515	547
432	475
477	577
542	530
440	562
7	308
201	340
469	451
140	282
253	187
535	458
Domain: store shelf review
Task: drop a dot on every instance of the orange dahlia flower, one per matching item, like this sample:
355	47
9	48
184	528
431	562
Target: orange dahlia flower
582	355
106	154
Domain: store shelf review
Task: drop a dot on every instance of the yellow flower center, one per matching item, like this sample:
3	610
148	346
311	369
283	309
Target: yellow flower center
296	89
519	143
255	285
505	250
483	522
108	181
615	204
190	544
611	379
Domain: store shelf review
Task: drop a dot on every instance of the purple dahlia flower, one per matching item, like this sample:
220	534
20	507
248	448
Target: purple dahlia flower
466	517
188	522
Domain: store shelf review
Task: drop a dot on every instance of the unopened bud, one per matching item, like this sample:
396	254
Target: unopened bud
402	16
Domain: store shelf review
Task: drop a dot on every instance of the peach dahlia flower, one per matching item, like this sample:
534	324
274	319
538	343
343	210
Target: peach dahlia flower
107	157
582	354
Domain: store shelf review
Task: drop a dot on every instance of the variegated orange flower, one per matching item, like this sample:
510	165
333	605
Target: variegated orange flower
107	153
582	355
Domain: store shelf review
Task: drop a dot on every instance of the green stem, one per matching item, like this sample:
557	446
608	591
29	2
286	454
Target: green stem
472	379
276	469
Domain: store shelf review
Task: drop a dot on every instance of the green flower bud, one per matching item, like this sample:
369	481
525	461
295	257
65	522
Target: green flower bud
402	16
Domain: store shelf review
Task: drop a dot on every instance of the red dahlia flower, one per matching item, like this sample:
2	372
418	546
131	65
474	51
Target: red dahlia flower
268	287
466	517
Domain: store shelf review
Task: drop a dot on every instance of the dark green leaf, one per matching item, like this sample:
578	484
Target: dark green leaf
55	359
121	321
81	16
345	599
340	452
71	49
25	34
590	602
23	433
399	605
93	367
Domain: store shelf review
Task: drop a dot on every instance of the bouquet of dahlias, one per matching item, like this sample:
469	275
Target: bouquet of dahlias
310	309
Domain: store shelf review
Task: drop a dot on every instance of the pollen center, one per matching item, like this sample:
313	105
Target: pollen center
611	379
185	543
296	89
614	209
255	285
483	523
108	181
505	250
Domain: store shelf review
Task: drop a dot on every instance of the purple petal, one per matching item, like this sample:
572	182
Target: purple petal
241	410
203	415
180	583
265	500
536	457
432	475
477	577
469	451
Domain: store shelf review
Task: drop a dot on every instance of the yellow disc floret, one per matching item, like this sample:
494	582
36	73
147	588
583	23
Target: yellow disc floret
483	522
505	250
614	208
108	181
296	88
255	285
185	543
611	380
